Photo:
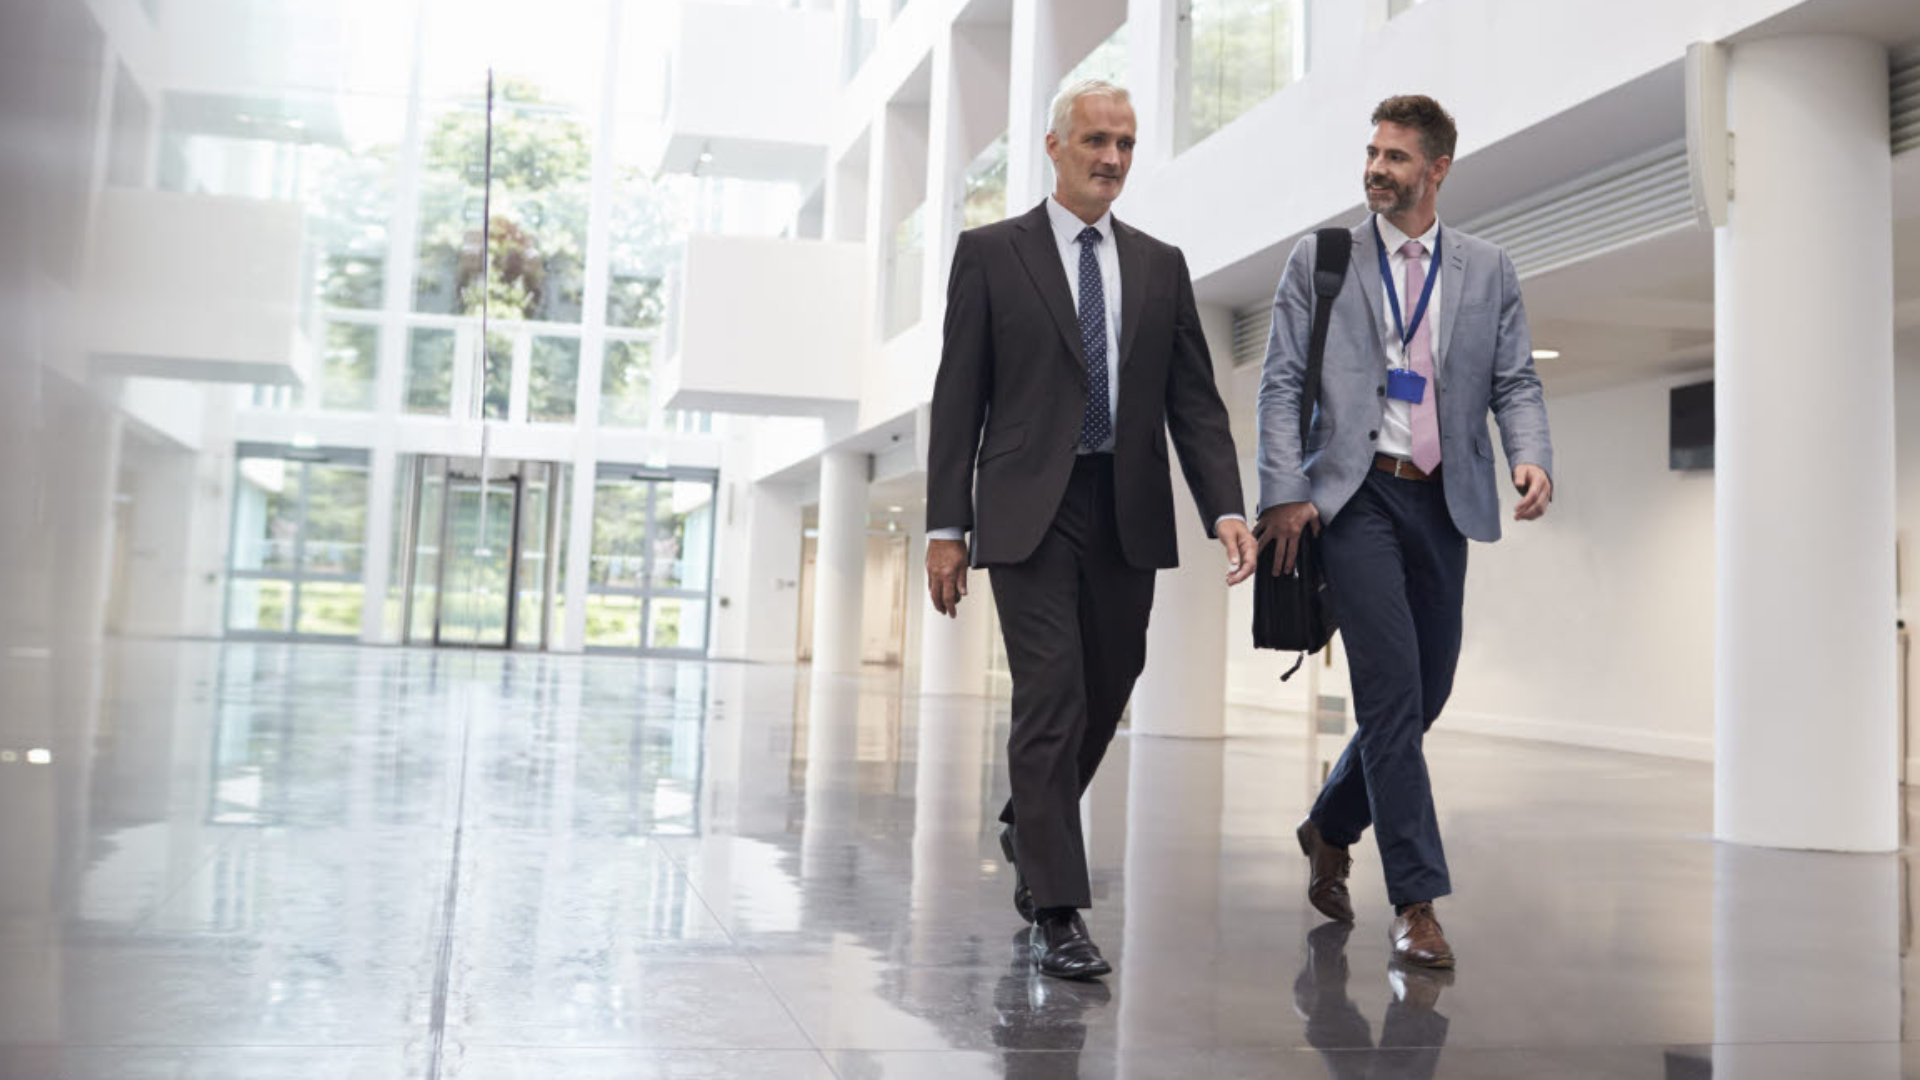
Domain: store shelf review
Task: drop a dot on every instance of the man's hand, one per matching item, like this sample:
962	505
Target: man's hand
947	575
1284	523
1242	553
1535	492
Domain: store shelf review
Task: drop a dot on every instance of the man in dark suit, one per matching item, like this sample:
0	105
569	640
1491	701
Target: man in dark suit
1073	340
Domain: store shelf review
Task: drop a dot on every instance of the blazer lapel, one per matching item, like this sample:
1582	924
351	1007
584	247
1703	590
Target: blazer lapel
1041	257
1133	285
1366	263
1453	278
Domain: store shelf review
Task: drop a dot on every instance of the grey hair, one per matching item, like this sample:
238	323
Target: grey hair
1063	101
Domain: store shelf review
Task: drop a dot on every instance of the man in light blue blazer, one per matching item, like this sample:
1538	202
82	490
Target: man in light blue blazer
1396	476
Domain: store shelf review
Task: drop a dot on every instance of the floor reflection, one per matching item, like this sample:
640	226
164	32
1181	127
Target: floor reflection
264	861
1411	1035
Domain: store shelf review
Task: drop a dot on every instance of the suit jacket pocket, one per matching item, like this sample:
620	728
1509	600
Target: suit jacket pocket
1002	439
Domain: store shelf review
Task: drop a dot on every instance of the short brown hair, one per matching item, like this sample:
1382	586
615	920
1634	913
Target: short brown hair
1423	114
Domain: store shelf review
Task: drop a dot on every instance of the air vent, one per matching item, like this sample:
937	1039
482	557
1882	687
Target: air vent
1250	327
1906	101
1604	211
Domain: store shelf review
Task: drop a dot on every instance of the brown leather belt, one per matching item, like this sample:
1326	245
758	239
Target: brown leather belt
1405	470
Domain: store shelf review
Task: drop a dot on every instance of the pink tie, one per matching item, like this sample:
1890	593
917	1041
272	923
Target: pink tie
1426	422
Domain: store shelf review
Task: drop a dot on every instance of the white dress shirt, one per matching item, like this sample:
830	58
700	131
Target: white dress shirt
1067	227
1396	433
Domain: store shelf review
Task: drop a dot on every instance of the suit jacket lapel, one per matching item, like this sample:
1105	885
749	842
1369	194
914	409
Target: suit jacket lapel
1453	277
1133	285
1041	256
1366	263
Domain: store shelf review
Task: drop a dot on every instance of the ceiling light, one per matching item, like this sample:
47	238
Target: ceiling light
39	757
1546	354
896	509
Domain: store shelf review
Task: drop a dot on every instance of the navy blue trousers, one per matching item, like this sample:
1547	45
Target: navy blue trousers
1397	568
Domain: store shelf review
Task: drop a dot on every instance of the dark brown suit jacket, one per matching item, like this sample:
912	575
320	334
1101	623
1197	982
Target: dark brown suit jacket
1012	363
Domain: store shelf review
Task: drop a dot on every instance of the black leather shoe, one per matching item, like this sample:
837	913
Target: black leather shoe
1063	950
1022	896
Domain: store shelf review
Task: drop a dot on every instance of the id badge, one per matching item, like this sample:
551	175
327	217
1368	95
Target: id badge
1408	386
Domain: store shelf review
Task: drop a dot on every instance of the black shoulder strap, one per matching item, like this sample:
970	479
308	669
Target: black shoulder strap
1332	251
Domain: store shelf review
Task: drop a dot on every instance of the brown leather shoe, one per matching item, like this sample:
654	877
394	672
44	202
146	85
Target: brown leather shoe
1327	890
1417	939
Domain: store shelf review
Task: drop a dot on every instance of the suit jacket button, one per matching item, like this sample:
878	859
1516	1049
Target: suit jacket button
1371	435
1382	391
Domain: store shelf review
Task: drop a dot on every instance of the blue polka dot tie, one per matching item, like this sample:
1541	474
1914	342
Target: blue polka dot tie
1097	426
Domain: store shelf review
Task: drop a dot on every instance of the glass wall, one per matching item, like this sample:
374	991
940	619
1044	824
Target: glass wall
1242	52
984	187
651	568
297	550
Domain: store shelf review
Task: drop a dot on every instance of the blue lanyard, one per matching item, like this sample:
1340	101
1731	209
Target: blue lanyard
1407	330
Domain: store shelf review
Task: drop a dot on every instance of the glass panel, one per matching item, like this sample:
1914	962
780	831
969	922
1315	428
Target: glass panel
554	379
474	609
903	271
619	535
499	376
430	371
426	560
533	560
336	519
626	384
1107	61
681	422
350	199
266	514
536	240
260	606
1244	52
613	622
331	608
347	366
986	187
649	229
677	623
683	535
1397	8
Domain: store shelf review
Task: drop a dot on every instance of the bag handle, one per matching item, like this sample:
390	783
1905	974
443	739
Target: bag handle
1332	252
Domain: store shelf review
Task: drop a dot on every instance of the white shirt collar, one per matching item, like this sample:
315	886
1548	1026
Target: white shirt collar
1067	224
1393	239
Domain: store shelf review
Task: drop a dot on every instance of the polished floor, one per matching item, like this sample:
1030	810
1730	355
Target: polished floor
253	862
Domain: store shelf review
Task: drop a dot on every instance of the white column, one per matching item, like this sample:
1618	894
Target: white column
841	562
1183	691
1806	688
953	651
1156	80
376	568
1036	74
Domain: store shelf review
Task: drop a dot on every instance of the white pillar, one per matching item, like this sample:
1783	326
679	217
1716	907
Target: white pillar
1183	691
840	564
376	568
1156	80
1805	675
1036	74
